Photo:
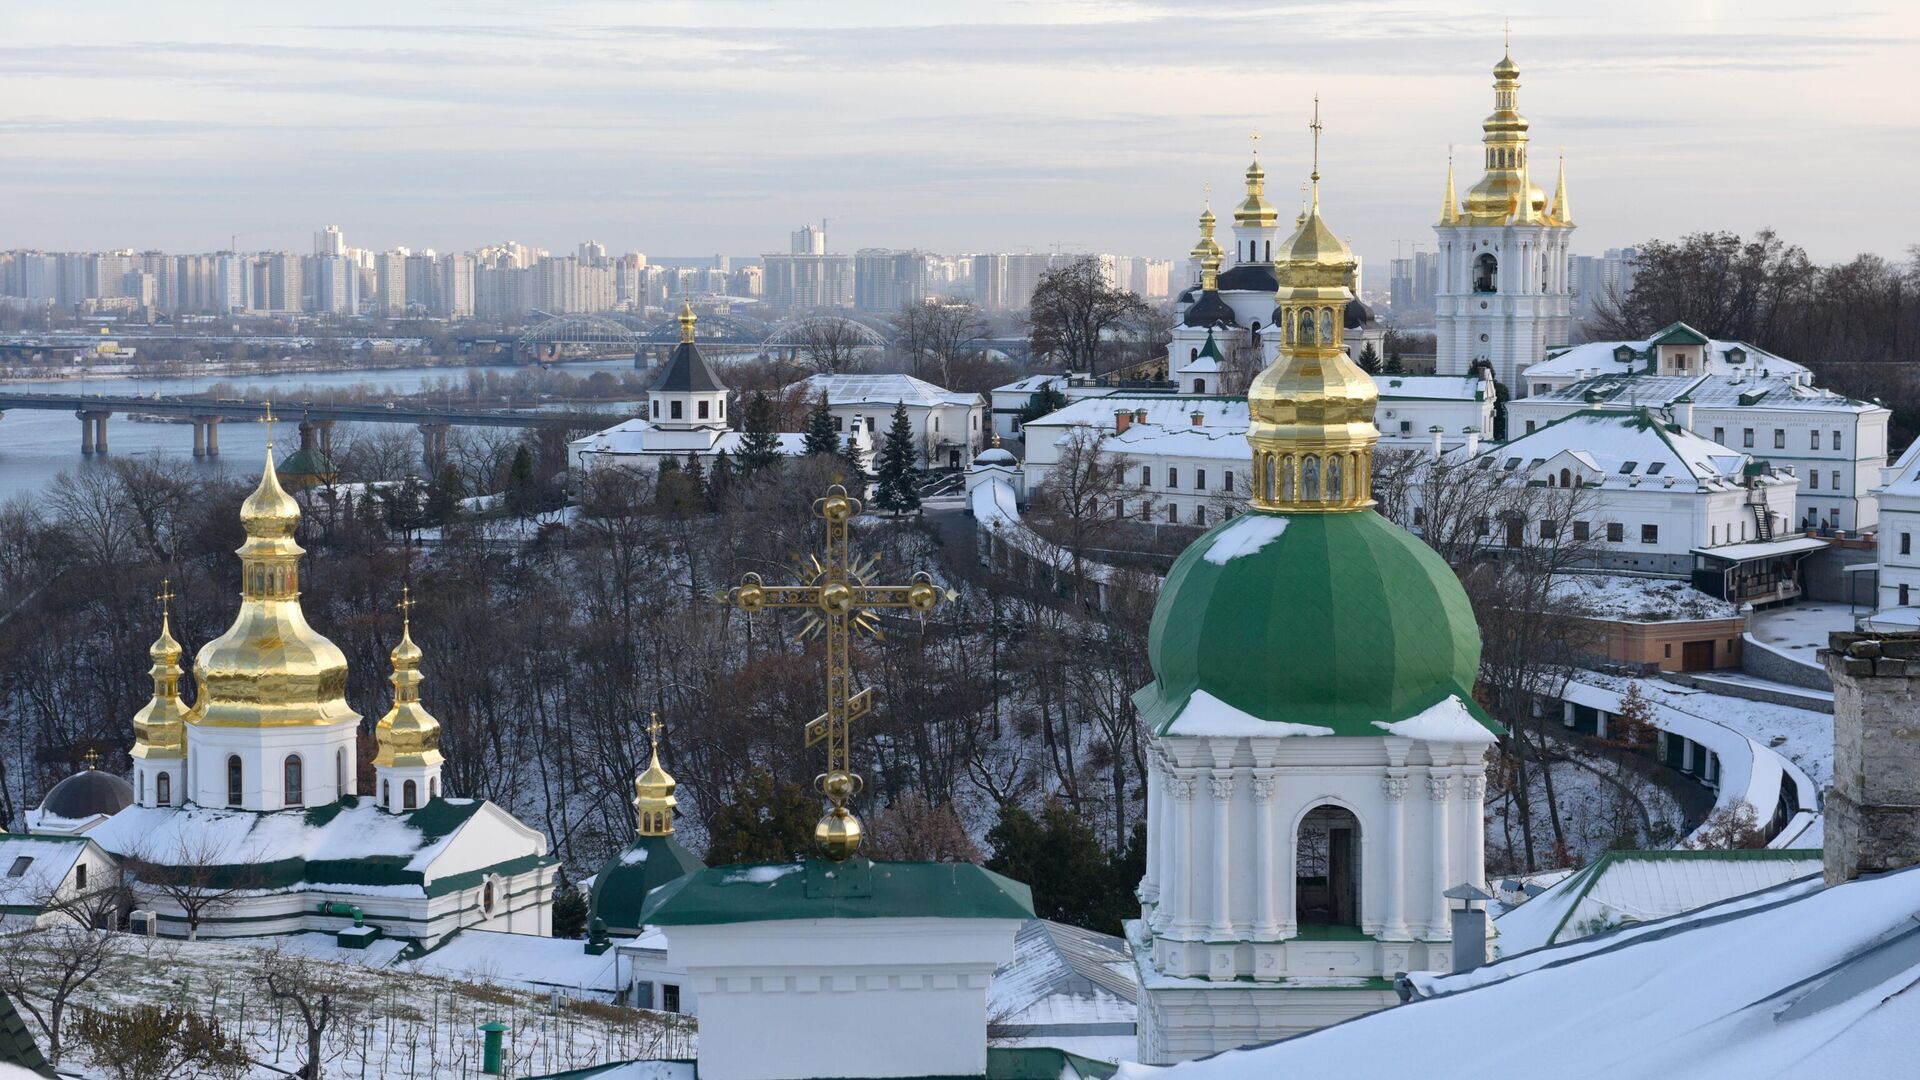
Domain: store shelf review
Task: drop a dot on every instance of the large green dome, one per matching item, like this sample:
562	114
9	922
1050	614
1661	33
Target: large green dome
1338	621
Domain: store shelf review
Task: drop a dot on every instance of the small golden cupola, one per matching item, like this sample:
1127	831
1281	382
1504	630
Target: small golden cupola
1506	193
407	759
688	320
653	800
1255	212
1207	253
159	728
271	728
1312	408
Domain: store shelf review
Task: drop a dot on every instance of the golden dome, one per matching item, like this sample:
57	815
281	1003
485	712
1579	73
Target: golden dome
1207	247
687	321
270	669
1255	211
1506	68
1312	408
408	735
159	727
653	800
1506	193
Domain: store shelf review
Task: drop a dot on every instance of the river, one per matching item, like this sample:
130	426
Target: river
37	445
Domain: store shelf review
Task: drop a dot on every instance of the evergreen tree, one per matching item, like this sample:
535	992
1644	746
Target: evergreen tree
765	821
569	909
1074	879
759	446
402	505
522	493
895	492
720	480
821	438
696	472
1369	359
1394	366
444	493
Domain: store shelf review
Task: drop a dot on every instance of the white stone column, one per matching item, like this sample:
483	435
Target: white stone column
1150	884
1220	784
1439	786
1395	876
1266	922
1180	921
1473	827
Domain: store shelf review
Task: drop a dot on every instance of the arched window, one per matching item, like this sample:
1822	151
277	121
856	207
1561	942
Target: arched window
486	898
1199	386
409	795
140	776
1486	271
292	770
386	794
1268	487
1193	354
340	772
163	789
1566	478
1310	479
1333	479
1326	868
234	778
433	787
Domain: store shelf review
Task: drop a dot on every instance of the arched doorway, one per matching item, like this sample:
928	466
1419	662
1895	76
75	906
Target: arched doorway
1326	868
1486	271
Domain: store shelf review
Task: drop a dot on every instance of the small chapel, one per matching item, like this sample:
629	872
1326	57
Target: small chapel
245	817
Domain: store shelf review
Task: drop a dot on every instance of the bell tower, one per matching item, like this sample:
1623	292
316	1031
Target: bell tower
1504	295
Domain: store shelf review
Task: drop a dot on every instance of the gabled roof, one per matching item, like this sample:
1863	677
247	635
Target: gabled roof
1612	441
1063	979
855	889
17	1045
880	390
687	372
1678	334
1606	357
43	863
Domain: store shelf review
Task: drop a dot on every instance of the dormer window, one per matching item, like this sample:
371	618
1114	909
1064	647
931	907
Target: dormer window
1627	469
1512	463
1656	468
1736	356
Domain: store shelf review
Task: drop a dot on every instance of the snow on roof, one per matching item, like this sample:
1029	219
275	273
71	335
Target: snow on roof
1794	981
882	390
526	959
1601	355
1624	887
1430	387
1152	440
1758	549
1163	410
1063	980
1615	441
1614	596
637	436
1444	721
1032	384
47	862
1705	391
1204	714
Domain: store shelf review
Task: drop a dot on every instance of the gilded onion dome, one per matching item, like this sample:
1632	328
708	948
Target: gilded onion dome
1207	251
159	729
653	800
408	735
1255	211
270	669
1505	193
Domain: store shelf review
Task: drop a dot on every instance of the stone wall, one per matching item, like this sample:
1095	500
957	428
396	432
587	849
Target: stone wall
1823	576
1873	807
1762	662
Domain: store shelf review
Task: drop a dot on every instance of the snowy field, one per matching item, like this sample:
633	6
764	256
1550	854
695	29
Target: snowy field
1616	596
398	1023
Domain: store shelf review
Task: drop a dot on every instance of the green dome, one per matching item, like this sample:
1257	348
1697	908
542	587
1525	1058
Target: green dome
620	889
1335	621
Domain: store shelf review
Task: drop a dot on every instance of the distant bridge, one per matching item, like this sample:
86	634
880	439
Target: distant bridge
549	339
206	415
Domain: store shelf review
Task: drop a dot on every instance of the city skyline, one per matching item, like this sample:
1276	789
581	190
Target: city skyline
994	126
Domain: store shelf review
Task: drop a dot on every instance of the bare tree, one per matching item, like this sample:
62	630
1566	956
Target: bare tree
1076	316
201	875
917	829
1078	505
88	506
935	337
832	345
324	995
42	968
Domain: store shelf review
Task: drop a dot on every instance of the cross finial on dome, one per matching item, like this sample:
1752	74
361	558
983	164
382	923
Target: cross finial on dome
406	608
267	419
1506	35
91	758
653	731
165	597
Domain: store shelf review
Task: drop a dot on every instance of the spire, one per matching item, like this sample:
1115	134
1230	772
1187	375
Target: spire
1496	198
408	735
1315	128
1301	218
653	800
1561	213
158	729
687	321
1312	408
1524	212
1450	202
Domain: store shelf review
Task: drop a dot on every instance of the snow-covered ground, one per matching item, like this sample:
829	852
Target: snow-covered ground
1798	631
1802	736
1617	596
400	1023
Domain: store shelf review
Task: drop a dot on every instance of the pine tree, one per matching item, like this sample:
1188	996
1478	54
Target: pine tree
895	492
522	494
444	493
820	438
1369	359
696	472
1394	366
720	480
759	446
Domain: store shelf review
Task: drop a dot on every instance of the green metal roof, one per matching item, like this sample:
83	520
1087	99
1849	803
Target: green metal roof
1679	334
855	889
17	1046
620	889
1341	621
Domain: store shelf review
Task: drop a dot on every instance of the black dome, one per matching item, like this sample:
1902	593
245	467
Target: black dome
1250	277
1209	310
1187	296
85	794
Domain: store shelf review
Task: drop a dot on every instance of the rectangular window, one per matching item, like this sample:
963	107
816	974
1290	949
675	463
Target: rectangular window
839	423
1199	479
1649	534
1836	517
704	406
936	423
1616	532
1119	508
1720	435
1406	427
674	410
1530	427
1146	475
670	997
1746	438
1199	515
1668	650
1580	532
1813	479
1836	479
1815	433
1173	477
1836	440
1419	516
1549	529
1779	439
1906	543
1173	514
1226	482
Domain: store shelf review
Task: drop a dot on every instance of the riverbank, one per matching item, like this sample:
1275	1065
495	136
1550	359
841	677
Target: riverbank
44	373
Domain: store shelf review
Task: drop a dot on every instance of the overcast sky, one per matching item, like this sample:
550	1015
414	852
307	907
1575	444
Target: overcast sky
681	128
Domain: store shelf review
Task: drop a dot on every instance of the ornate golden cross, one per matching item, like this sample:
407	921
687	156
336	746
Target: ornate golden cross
837	600
405	607
653	731
165	597
91	757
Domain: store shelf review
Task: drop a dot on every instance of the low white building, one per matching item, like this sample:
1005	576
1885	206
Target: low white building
1837	446
1899	525
947	426
1677	351
1412	406
1664	500
50	878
